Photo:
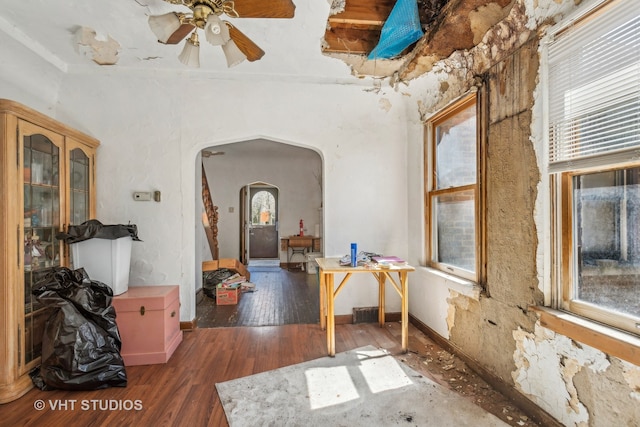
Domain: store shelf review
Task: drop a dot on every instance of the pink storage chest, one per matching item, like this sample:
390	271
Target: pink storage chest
148	319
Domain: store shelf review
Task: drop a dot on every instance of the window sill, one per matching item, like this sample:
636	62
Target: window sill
606	339
464	287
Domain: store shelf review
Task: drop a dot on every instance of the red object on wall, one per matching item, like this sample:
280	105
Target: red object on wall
301	228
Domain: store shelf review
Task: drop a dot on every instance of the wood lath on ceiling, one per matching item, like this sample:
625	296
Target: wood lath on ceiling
356	30
449	25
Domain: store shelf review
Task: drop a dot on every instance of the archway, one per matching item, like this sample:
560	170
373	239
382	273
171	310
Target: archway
295	171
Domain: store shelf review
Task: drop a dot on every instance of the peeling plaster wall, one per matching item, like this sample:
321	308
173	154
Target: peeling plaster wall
582	385
574	383
89	44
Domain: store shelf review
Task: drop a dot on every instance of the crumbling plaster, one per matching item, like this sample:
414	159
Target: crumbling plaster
461	26
337	6
511	180
574	383
103	50
577	384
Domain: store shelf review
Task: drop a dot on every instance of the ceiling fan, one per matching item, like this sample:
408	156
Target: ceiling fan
173	27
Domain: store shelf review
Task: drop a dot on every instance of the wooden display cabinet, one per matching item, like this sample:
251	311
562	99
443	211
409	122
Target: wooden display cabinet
47	175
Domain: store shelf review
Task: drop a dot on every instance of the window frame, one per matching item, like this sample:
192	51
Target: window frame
564	257
568	258
477	98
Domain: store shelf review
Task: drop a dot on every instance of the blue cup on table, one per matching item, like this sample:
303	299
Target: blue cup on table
354	254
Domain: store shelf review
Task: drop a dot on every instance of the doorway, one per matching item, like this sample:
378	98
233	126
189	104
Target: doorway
261	217
295	172
237	177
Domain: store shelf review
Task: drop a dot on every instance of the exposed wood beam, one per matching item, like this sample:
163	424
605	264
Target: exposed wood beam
356	30
368	12
353	41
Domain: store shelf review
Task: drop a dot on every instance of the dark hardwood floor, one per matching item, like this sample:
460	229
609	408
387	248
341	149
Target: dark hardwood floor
281	297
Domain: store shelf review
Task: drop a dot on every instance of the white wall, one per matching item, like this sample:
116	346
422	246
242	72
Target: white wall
152	129
27	78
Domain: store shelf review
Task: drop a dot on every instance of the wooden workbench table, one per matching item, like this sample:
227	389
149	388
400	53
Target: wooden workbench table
331	266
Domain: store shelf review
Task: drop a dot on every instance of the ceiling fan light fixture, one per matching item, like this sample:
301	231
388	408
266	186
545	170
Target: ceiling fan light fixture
173	27
163	26
215	31
233	54
190	54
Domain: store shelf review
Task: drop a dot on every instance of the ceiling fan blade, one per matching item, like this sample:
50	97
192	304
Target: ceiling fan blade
182	32
251	50
265	9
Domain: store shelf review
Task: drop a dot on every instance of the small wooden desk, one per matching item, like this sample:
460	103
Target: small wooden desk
299	245
330	266
310	242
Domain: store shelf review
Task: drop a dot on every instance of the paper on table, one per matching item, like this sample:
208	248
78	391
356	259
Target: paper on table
380	259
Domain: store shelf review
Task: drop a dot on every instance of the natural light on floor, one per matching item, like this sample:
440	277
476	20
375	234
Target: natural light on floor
376	373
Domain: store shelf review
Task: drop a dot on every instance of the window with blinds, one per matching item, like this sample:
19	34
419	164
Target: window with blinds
593	93
594	104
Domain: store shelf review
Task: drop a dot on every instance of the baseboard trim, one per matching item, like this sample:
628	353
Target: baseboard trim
344	319
393	317
189	325
527	406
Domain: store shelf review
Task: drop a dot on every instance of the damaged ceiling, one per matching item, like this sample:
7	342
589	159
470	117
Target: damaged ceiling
81	36
354	26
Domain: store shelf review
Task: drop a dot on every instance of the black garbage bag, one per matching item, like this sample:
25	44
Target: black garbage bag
95	229
81	342
211	279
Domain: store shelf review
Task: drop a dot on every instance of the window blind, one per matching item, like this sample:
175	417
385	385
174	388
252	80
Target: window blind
594	89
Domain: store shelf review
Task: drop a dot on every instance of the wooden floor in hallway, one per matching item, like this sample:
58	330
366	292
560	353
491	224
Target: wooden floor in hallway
281	297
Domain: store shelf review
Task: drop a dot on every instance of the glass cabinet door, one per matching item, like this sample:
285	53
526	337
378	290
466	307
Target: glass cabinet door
47	182
79	187
42	168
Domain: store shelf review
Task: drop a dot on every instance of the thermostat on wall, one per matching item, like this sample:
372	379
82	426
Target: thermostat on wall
142	196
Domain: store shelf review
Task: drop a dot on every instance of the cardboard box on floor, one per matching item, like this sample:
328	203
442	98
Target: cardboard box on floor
227	295
230	263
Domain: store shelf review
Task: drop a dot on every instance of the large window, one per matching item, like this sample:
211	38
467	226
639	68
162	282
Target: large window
594	164
452	189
